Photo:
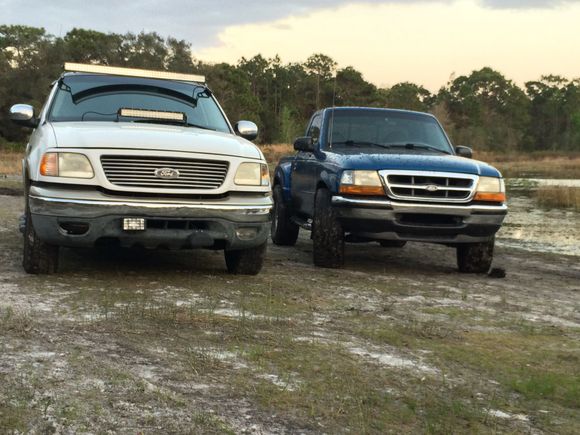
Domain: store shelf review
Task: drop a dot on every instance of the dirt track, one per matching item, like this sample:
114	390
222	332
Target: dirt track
398	341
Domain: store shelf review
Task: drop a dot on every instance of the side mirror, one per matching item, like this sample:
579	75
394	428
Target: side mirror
304	144
23	114
246	129
462	151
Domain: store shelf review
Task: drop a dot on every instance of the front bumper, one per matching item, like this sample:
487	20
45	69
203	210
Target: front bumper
66	216
378	219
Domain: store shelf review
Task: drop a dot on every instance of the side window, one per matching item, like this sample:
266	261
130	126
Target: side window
314	129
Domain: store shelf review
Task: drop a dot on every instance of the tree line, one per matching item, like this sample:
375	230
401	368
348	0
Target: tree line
484	110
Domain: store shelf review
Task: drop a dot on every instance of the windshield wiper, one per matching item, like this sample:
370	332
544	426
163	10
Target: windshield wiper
205	127
411	146
360	143
92	112
171	122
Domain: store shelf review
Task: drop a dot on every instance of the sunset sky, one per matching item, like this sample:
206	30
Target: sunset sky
389	41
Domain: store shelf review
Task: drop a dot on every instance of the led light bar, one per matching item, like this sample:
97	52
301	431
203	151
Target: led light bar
132	72
152	114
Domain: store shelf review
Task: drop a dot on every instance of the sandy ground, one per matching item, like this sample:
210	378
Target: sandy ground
398	341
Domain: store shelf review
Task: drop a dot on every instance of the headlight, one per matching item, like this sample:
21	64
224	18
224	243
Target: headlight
252	174
361	183
69	165
490	189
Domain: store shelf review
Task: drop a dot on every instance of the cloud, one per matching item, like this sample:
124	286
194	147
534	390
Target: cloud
525	4
421	43
199	22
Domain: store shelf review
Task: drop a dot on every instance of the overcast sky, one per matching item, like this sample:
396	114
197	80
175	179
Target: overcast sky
389	41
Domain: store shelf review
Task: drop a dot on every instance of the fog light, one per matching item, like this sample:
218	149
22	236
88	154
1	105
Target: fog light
134	224
246	233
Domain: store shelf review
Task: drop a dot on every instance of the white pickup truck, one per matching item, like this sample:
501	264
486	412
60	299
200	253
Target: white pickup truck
141	158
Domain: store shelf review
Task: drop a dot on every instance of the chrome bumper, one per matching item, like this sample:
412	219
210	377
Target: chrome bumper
375	219
401	207
93	204
209	223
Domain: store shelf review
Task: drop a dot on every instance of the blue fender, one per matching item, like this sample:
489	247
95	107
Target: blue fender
282	177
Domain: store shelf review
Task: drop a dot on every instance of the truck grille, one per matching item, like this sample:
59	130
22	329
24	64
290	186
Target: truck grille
144	171
429	186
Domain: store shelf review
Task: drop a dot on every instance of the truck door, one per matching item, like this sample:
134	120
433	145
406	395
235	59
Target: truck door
304	172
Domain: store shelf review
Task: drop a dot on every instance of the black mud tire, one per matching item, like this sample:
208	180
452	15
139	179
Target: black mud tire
475	257
39	258
284	232
392	243
246	261
327	233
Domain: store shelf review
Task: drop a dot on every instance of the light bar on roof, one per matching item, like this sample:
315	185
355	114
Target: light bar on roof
152	114
132	72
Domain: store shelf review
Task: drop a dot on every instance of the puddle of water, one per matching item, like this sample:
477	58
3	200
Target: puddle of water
530	227
532	183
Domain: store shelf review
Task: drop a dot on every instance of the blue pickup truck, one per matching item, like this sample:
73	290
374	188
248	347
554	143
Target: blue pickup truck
388	176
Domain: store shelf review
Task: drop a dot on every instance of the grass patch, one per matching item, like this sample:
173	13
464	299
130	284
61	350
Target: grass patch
549	386
334	390
558	197
337	390
18	323
542	368
15	397
11	162
534	165
274	152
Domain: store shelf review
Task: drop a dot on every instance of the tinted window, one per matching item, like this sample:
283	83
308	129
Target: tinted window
384	127
99	98
314	129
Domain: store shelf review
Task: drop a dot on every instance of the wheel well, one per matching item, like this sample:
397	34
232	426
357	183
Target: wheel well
321	185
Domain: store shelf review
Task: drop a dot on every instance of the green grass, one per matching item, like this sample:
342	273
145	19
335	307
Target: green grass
542	370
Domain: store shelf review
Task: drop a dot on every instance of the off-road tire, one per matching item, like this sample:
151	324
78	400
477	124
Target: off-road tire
327	233
392	243
246	261
39	258
475	257
284	232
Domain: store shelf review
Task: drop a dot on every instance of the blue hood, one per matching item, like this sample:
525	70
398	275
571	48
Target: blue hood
413	162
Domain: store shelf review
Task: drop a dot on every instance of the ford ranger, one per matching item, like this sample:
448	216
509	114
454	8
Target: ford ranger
388	176
129	157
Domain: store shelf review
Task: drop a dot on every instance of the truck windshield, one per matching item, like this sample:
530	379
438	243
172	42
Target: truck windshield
384	130
99	98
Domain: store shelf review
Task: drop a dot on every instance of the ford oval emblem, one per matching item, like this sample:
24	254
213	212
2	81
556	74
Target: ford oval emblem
431	188
167	173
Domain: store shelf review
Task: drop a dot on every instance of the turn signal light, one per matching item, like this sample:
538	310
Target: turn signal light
490	197
49	165
351	189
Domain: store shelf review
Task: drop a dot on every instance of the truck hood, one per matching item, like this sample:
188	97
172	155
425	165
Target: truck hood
155	137
415	161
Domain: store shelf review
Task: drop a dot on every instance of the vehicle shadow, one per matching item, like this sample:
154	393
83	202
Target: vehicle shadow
119	260
414	258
